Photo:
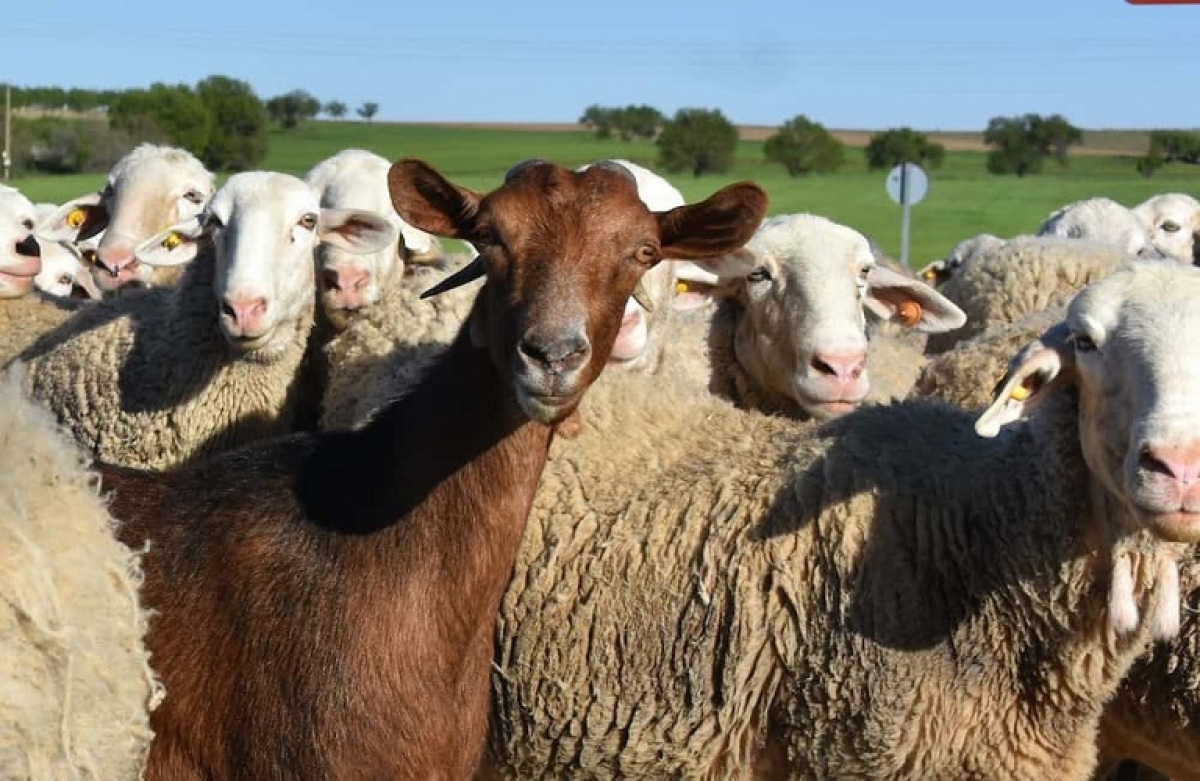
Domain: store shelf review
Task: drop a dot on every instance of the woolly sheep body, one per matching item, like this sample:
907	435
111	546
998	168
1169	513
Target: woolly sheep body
25	319
966	375
1025	274
706	597
148	380
75	688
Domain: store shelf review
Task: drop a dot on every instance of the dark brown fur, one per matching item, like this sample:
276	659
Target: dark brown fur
325	603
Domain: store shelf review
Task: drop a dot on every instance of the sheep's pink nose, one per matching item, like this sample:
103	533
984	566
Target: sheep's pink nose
115	259
845	366
346	285
246	313
1178	462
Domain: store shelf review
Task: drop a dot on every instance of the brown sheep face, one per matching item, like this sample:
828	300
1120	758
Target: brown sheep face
562	252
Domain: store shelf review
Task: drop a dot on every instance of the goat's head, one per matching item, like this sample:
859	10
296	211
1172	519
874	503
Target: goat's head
562	252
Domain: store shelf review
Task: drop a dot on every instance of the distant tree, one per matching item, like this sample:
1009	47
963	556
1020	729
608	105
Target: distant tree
598	118
335	109
902	145
1176	146
1057	134
240	128
173	111
1147	166
804	146
292	108
627	123
368	110
700	140
1018	149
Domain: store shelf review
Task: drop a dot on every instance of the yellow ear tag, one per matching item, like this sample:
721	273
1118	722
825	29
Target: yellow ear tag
682	287
75	218
172	241
930	275
1019	393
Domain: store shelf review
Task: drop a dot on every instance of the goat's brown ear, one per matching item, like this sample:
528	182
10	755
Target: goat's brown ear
425	199
719	224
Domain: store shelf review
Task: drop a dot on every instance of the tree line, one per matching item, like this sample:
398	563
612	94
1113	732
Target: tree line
705	141
220	120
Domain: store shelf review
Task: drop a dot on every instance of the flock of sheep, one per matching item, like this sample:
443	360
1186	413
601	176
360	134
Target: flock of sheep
281	496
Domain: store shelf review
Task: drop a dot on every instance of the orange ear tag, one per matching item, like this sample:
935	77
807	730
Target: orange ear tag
909	313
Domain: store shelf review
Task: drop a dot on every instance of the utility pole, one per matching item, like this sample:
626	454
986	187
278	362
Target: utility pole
6	159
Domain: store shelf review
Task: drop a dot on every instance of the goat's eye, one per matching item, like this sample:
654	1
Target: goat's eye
1083	343
195	196
308	221
646	254
1170	226
759	274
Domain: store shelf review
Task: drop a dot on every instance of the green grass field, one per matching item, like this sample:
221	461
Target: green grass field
963	198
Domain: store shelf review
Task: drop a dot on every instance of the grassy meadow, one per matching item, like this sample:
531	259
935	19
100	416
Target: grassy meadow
963	198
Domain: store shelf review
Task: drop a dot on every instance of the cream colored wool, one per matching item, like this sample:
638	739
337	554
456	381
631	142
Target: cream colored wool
1026	274
75	688
706	592
23	320
149	380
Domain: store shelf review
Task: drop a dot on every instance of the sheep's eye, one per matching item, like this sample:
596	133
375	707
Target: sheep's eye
28	224
308	221
65	279
195	196
1170	226
1083	343
863	273
759	274
645	254
89	255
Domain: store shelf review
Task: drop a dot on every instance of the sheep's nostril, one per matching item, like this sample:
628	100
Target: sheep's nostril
29	247
1151	463
329	278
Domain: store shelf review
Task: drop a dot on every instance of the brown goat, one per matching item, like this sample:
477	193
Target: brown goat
325	603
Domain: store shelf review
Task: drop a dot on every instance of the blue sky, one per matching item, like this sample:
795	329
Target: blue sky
930	64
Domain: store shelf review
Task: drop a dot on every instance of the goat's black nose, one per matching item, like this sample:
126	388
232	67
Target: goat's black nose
559	354
29	247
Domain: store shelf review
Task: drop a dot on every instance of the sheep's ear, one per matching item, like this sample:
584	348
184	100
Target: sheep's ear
934	273
1033	375
76	220
85	282
894	297
699	282
427	200
356	230
172	246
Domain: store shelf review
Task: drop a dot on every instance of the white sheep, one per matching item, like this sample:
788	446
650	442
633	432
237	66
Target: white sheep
25	314
707	592
1101	220
66	272
1173	222
148	189
350	282
75	688
164	375
1025	274
941	271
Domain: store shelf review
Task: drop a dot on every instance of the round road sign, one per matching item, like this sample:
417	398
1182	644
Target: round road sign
907	183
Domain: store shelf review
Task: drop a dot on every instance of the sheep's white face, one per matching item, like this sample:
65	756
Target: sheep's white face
350	282
1138	382
803	334
65	274
1173	221
20	252
149	189
1102	220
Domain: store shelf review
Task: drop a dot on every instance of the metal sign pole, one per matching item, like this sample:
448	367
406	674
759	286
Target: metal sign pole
905	214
